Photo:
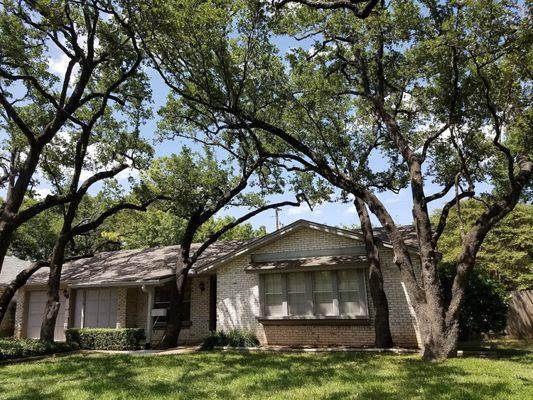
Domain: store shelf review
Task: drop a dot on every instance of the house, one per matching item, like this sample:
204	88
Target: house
302	285
10	269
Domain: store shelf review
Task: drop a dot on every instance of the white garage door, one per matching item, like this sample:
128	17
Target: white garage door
36	306
96	308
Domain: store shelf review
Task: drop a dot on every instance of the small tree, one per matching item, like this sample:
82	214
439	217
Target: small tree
101	71
199	187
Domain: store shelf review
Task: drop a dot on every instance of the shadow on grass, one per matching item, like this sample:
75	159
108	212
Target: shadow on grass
238	375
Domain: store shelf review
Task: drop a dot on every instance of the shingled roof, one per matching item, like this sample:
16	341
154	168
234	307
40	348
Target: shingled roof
143	265
10	269
139	265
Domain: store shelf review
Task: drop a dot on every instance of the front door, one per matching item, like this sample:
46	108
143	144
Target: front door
213	303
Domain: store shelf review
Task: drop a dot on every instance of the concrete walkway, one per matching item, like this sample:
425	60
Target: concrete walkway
176	350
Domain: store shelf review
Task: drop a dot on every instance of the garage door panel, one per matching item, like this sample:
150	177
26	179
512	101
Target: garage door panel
36	306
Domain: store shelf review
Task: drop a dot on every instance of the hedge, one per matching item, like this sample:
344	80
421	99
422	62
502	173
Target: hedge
105	339
11	349
233	338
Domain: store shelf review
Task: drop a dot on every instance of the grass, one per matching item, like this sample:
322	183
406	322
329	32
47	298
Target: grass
233	375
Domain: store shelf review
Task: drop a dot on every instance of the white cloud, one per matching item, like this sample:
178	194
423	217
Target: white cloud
129	172
58	65
302	209
42	192
350	210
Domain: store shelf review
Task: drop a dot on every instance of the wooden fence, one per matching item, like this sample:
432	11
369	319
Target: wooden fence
520	318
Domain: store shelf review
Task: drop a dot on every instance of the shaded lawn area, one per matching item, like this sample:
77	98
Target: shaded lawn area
232	375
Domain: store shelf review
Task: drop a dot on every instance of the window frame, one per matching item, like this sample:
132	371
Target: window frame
309	290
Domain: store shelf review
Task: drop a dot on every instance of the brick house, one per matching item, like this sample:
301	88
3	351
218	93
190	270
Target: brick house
302	285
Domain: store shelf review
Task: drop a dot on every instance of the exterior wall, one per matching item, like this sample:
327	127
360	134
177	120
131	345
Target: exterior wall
199	326
7	325
238	300
121	307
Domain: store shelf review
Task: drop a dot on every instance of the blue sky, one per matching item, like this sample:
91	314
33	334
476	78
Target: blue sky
399	205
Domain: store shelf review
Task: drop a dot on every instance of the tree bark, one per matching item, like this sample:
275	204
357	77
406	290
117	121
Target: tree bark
54	281
16	284
383	337
174	322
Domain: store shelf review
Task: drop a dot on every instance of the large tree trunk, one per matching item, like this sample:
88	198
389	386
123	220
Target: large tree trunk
54	281
383	337
16	284
174	322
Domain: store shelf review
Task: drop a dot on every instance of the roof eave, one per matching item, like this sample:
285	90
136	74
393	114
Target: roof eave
301	223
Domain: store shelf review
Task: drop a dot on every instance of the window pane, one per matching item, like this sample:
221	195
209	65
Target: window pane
324	303
347	280
296	282
349	303
273	306
323	282
351	295
297	298
273	284
298	304
323	293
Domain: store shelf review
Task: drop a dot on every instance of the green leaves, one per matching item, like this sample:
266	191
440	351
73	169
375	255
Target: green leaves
506	254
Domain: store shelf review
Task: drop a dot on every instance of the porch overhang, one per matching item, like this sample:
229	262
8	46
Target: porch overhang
309	263
136	283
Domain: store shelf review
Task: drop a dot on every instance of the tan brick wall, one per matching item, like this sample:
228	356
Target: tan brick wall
199	311
238	300
121	307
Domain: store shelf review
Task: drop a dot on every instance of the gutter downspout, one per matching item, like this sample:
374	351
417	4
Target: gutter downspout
149	307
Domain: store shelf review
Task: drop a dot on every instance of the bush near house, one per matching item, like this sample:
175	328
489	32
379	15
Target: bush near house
105	339
11	349
233	338
484	309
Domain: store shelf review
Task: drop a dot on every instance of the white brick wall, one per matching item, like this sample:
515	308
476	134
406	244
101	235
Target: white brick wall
238	299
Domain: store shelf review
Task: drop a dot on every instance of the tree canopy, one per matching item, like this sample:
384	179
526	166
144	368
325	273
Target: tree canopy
506	254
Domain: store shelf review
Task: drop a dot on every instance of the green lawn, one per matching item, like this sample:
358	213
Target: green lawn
216	375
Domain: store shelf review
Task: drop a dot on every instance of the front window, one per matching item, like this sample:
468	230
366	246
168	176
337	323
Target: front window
273	295
162	301
296	294
323	293
319	293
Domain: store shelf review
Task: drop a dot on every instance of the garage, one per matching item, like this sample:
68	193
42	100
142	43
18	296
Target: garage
95	308
36	307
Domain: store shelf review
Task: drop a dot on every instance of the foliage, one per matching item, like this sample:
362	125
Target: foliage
484	308
232	338
157	227
105	339
274	376
21	348
507	252
35	239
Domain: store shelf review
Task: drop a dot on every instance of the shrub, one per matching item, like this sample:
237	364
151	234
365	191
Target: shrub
105	339
21	348
484	308
233	338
